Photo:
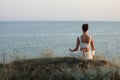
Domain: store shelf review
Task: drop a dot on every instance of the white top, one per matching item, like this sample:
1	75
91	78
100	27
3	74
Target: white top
84	45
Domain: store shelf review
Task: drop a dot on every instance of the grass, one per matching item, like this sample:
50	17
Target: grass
62	68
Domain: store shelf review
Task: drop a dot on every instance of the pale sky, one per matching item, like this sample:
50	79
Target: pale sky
41	10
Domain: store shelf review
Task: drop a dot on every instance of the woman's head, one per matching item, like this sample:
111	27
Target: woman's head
85	27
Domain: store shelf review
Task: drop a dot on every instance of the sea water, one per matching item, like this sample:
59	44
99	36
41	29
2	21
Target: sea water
30	39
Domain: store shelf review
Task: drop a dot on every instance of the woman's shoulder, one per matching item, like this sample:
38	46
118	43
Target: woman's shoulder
91	38
81	35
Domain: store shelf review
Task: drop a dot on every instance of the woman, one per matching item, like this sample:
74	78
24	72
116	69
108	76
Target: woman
86	43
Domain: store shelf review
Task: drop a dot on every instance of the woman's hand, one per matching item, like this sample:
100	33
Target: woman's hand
77	45
70	50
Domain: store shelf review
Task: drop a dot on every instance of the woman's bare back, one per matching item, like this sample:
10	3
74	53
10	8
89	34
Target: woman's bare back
85	39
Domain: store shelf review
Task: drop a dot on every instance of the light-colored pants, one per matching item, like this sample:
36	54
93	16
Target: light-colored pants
85	55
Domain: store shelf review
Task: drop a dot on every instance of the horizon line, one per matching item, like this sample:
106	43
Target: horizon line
60	21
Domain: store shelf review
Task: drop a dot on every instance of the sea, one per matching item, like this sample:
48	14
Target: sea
35	39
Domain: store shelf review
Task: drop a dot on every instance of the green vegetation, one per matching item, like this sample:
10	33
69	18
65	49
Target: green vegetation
66	68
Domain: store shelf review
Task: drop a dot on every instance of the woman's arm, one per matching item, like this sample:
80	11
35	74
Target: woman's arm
92	44
77	45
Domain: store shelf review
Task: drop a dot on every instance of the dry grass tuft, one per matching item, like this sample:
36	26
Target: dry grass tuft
66	68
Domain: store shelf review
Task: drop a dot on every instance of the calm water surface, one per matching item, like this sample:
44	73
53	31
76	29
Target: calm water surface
30	39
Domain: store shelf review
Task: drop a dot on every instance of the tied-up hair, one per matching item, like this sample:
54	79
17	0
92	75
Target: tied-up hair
85	27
